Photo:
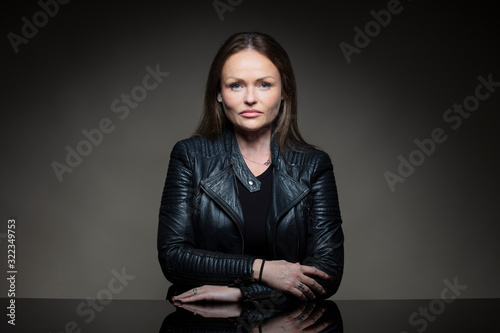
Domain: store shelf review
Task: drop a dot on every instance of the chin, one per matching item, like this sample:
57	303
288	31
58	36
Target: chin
253	129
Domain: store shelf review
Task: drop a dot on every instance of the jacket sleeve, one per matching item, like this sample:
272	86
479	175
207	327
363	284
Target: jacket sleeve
181	262
257	291
325	249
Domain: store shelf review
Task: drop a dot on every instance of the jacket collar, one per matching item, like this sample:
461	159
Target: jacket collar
223	187
238	164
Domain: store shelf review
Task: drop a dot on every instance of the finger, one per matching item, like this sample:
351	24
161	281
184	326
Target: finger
183	295
177	303
297	293
195	309
194	298
306	291
191	299
313	317
305	313
189	293
311	283
314	271
189	307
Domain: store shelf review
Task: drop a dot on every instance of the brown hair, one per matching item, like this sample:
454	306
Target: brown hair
214	121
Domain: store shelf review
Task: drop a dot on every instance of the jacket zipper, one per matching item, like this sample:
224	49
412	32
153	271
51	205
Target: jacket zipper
297	230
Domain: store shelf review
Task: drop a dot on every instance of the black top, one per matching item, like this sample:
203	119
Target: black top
255	208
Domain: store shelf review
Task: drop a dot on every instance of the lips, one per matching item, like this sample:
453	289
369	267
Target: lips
250	113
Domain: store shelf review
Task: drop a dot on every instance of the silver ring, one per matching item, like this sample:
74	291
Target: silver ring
194	291
300	318
301	286
194	313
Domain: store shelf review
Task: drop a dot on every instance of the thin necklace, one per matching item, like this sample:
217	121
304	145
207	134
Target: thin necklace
266	163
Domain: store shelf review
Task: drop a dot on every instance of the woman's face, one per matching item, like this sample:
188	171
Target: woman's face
250	91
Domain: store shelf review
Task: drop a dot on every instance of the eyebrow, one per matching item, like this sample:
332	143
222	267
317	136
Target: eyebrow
259	79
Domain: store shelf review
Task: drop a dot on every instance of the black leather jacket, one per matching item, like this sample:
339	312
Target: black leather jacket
200	237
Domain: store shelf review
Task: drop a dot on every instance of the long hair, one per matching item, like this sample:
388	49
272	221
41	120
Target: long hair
213	120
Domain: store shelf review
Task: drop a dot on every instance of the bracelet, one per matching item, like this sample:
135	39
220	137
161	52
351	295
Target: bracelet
261	270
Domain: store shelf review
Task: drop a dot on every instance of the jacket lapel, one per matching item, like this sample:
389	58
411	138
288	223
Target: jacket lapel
222	188
287	192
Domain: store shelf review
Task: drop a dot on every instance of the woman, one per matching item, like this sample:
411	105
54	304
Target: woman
249	209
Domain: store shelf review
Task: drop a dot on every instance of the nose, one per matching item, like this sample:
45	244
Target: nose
250	97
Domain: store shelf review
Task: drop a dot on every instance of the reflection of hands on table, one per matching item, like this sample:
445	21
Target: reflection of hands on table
302	319
212	310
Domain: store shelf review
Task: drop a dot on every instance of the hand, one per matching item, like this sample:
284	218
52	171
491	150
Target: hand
291	278
212	310
210	293
302	319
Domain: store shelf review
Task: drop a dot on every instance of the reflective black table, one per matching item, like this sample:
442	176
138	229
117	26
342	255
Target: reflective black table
74	316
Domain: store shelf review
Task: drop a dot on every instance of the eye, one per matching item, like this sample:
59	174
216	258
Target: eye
235	86
265	85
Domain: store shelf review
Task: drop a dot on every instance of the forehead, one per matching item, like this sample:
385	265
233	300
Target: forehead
249	62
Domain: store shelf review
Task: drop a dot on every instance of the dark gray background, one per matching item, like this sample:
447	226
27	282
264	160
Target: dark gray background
441	223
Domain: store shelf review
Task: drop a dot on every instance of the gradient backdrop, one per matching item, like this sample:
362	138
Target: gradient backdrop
69	76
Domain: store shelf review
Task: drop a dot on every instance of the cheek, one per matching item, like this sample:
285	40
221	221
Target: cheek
231	100
274	102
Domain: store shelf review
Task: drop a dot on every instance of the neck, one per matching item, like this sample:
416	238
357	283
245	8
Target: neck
255	144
